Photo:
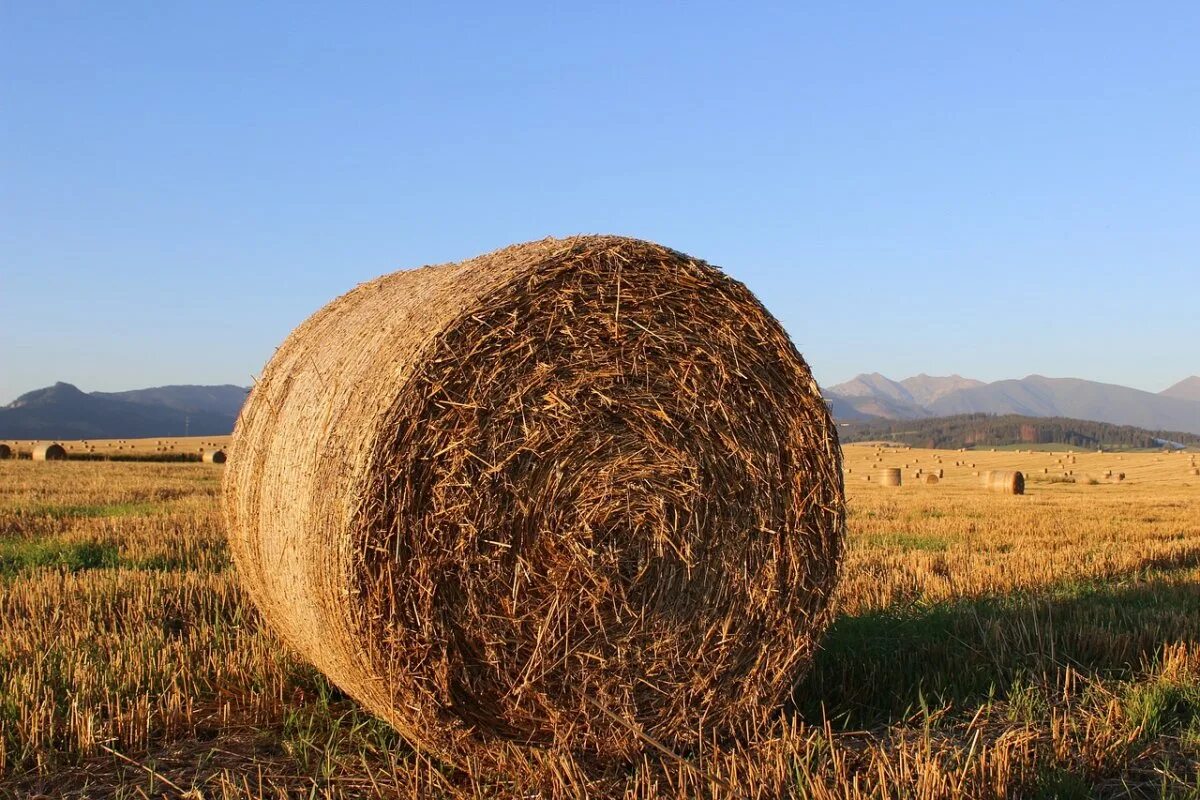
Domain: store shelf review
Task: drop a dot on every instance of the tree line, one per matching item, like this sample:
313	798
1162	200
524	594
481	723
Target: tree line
991	430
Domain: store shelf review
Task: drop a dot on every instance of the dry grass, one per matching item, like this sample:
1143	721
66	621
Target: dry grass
985	645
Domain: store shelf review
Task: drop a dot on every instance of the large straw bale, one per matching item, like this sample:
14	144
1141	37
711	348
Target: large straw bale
49	451
581	493
1004	481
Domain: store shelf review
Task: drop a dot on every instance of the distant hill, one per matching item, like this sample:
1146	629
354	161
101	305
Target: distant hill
877	396
62	411
925	389
1034	396
986	430
1186	389
226	400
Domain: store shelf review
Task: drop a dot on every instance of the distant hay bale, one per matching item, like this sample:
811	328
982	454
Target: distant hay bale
213	457
1004	481
931	478
941	473
890	476
5	451
1195	470
1120	476
50	451
577	493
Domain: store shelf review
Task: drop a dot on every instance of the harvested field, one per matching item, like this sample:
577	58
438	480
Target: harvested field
984	645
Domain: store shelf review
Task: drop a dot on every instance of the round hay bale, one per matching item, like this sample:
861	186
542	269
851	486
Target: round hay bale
1195	470
1004	481
49	451
1120	476
575	493
890	476
213	457
931	478
5	451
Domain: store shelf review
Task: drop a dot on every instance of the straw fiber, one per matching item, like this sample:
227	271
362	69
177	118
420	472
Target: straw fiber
579	493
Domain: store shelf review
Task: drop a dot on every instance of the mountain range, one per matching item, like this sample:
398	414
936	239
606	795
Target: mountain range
62	411
877	396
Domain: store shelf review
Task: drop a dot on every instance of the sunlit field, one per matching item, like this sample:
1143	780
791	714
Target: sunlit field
984	645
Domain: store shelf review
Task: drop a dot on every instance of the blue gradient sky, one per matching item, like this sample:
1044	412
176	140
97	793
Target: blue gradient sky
993	191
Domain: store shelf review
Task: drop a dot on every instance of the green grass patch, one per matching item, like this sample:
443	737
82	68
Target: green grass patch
22	556
1163	706
909	541
139	509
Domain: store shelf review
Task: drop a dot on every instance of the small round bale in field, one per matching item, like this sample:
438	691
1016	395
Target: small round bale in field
5	451
213	457
1004	481
580	493
931	478
891	476
49	451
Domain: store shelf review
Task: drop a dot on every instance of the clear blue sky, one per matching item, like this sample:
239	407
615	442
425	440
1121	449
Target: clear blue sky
988	189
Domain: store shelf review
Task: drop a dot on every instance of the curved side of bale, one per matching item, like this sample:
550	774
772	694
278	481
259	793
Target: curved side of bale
213	457
575	492
49	451
1004	481
890	476
5	451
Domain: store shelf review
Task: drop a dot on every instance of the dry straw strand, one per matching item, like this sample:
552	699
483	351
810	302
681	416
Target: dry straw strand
485	497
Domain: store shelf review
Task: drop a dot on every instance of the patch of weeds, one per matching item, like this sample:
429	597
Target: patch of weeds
1027	702
92	511
910	541
21	556
1058	783
1162	706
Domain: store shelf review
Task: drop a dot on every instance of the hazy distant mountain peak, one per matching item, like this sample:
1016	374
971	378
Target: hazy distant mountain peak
1186	389
1176	409
59	392
924	389
62	411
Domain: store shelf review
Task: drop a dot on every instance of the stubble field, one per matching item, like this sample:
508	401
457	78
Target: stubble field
984	645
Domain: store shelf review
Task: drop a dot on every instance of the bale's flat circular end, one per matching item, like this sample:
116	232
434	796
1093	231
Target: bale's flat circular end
581	493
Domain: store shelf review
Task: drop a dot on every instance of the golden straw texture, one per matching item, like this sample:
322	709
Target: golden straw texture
49	451
1004	481
581	493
